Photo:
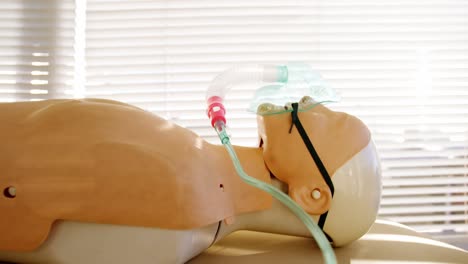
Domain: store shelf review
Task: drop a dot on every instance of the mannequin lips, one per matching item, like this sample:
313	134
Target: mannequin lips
304	104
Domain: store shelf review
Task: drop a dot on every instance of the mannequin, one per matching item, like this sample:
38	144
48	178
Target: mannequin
125	160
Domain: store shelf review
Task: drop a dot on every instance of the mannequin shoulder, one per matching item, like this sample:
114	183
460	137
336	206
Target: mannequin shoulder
28	111
105	124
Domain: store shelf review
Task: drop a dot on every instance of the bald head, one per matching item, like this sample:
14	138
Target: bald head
337	138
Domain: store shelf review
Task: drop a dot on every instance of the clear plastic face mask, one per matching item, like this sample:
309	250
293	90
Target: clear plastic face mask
303	84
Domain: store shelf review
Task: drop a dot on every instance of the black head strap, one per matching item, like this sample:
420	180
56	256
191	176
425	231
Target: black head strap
296	122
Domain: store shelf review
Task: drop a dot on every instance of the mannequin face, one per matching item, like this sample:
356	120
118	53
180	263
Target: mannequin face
336	137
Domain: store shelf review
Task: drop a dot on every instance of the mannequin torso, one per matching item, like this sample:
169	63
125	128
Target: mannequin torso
98	164
105	162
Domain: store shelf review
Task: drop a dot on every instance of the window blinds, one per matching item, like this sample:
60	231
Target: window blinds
400	66
36	49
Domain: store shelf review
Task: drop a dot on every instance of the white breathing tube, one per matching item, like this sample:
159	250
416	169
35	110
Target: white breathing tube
222	83
218	89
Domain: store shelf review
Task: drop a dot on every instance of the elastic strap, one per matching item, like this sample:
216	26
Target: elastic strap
296	122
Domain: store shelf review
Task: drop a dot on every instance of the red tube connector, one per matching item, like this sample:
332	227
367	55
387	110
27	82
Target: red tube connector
216	110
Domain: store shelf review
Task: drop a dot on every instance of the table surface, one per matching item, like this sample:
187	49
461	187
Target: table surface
386	242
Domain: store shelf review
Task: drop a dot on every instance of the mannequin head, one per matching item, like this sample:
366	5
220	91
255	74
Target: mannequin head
345	148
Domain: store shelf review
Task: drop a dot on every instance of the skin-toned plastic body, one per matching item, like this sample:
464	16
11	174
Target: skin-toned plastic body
256	214
106	162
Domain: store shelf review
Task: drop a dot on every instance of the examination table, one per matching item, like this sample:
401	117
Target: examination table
386	243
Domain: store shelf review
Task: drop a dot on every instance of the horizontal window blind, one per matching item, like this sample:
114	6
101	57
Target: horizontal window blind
36	49
400	66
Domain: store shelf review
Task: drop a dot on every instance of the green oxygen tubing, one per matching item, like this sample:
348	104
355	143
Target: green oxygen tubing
216	112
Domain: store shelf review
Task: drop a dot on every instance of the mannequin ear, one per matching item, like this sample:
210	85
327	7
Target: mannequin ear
315	200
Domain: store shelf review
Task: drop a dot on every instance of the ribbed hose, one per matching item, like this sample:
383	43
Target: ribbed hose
221	85
324	245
